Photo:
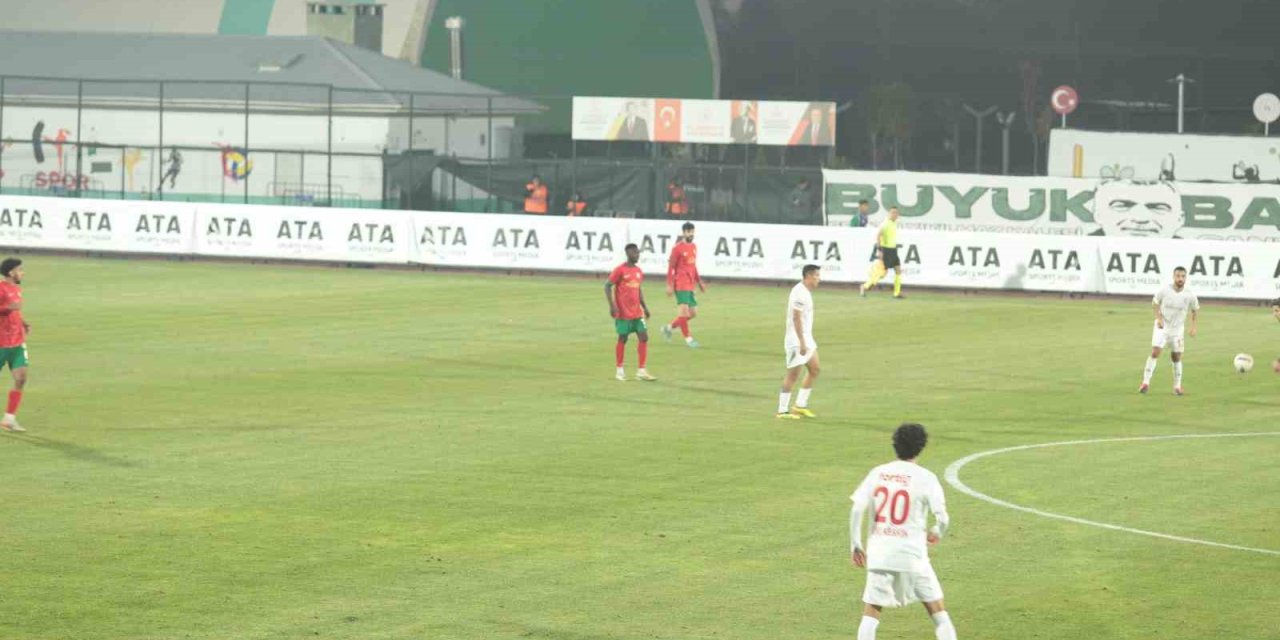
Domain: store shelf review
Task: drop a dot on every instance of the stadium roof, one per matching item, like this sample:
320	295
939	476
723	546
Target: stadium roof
210	70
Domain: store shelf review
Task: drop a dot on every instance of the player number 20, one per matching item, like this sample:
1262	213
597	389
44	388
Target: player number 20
900	500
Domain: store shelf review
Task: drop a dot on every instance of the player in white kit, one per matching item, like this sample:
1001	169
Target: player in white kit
799	346
900	496
1172	305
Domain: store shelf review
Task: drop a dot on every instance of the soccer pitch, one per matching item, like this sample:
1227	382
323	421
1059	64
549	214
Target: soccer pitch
240	451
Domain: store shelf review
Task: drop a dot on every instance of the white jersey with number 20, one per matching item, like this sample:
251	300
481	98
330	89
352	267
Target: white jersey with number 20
898	497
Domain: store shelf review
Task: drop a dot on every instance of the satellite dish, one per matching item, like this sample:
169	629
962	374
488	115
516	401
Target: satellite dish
1266	108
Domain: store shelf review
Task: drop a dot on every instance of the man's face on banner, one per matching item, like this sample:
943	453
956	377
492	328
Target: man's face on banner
1144	209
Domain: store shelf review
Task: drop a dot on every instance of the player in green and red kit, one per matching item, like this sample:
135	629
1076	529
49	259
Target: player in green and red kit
13	338
629	312
682	277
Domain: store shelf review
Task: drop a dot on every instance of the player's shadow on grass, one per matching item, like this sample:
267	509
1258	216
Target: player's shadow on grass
558	634
495	367
718	391
75	451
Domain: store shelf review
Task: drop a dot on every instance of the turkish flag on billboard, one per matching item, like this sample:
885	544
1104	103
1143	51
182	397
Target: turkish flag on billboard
667	114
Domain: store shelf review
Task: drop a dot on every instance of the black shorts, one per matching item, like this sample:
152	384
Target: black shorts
890	258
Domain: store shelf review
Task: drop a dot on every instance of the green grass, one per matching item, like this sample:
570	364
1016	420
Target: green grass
239	451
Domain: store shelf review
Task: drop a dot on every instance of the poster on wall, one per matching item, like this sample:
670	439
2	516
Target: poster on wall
762	122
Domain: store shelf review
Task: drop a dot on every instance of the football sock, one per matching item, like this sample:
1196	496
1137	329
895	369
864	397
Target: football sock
682	324
620	350
643	349
942	627
1151	369
867	630
802	398
897	284
784	402
15	398
875	278
1177	376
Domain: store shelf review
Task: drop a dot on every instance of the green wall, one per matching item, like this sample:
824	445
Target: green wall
652	48
246	17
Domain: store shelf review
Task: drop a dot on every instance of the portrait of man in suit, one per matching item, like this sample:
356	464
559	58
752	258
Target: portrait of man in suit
634	126
817	126
744	128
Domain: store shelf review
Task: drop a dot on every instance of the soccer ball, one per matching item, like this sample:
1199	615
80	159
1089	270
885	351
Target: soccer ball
1244	362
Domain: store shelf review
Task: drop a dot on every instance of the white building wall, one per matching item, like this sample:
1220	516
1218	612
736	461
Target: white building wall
458	137
287	152
299	166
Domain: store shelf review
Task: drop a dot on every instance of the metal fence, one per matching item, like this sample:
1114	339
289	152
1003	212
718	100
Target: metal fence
319	145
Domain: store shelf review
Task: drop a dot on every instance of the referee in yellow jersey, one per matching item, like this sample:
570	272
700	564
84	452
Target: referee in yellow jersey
886	255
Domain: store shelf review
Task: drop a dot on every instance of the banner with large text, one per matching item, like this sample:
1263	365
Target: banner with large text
92	225
969	260
517	241
810	124
1058	206
302	233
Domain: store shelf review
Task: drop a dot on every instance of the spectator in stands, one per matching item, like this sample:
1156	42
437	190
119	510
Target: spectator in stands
577	205
677	201
861	218
535	199
801	201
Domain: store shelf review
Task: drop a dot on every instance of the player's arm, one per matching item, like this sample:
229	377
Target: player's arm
672	261
1155	307
697	277
857	514
643	305
1195	313
608	293
942	521
879	240
8	303
797	321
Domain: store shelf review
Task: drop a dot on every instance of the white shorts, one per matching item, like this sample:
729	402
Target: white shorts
794	359
901	588
1161	338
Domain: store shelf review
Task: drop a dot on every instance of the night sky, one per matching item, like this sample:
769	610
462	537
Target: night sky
995	52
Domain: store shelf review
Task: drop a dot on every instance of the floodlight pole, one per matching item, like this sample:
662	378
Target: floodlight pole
1006	122
979	116
1182	81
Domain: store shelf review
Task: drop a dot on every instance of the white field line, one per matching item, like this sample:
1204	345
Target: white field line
953	478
